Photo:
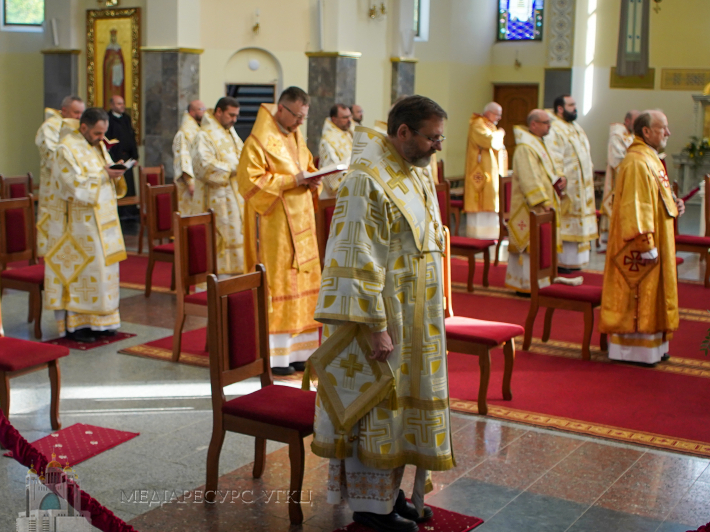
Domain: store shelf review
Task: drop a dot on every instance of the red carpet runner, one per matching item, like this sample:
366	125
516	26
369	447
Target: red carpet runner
443	521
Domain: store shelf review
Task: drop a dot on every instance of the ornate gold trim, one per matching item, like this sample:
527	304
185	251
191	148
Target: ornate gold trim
404	60
134	13
632	82
355	55
167	49
59	51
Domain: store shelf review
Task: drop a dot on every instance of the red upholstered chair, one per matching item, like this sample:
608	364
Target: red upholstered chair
462	245
325	208
697	244
155	176
16	186
505	196
543	264
477	337
239	350
18	243
161	203
195	259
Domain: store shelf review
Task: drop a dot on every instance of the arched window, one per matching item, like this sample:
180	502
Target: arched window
23	13
520	20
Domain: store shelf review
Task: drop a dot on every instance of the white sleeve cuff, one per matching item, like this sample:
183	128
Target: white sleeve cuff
652	254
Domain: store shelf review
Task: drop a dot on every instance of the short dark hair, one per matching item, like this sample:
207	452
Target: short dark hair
412	111
92	115
334	109
224	102
559	102
295	94
643	120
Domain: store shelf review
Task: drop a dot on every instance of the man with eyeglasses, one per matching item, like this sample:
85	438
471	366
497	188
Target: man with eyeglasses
486	159
534	175
640	292
280	226
569	148
184	175
215	157
336	144
384	349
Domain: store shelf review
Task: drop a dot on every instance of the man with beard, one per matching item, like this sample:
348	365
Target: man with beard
485	146
640	292
381	302
184	175
81	277
569	148
357	113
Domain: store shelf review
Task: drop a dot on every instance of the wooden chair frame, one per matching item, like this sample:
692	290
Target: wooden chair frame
217	292
321	230
183	280
7	182
482	351
29	254
503	213
552	303
151	193
702	250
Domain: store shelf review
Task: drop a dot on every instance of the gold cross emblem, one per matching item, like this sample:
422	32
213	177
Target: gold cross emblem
351	365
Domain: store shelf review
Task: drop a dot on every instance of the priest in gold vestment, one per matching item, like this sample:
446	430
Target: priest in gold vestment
215	158
532	190
280	226
382	397
183	173
47	139
569	148
81	274
336	145
484	148
640	292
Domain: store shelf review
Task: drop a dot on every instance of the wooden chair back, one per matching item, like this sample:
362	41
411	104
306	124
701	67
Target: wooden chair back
446	269
12	187
324	215
543	248
238	331
443	195
161	203
150	175
195	250
505	195
440	169
17	238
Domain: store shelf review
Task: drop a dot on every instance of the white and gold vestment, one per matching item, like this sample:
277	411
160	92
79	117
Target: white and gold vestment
183	172
335	147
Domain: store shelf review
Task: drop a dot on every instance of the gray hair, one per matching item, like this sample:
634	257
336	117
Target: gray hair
68	100
492	107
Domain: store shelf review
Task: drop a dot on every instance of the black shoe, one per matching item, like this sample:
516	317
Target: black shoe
560	269
283	371
391	522
665	357
406	509
109	333
523	294
298	366
85	336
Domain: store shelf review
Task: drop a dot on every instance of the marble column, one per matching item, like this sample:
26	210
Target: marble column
171	79
331	79
61	76
403	77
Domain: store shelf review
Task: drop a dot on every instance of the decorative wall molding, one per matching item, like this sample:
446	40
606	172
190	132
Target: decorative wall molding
684	79
560	32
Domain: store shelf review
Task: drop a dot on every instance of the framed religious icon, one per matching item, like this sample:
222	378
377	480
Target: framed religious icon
113	59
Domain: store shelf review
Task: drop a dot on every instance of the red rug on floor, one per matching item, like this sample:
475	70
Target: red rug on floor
81	346
443	521
132	273
80	442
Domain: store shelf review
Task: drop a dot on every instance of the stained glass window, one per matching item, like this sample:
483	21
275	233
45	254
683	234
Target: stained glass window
23	12
520	20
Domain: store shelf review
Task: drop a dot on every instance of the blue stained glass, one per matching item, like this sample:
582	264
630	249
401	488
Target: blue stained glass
520	20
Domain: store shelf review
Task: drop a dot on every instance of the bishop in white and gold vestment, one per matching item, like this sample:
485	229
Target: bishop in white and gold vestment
183	172
620	138
81	278
383	271
569	148
215	158
335	147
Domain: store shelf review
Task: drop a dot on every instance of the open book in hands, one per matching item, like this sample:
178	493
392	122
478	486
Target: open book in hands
130	163
326	171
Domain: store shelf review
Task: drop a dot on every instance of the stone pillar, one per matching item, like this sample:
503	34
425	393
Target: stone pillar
171	79
61	76
331	79
403	77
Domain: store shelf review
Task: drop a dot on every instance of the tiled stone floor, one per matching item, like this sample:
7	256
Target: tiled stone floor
517	478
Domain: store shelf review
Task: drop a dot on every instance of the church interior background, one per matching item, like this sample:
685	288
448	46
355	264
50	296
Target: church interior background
515	476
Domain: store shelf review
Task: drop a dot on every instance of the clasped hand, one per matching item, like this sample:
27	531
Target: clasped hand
381	345
310	183
114	173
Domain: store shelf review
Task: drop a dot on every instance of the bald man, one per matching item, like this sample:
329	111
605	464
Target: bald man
620	138
484	149
183	173
640	292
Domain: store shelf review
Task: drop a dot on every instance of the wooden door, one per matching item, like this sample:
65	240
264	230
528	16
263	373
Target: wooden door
517	101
